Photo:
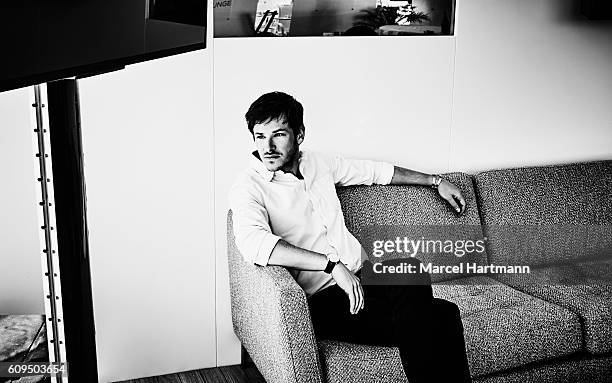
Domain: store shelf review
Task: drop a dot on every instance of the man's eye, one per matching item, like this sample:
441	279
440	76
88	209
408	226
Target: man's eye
259	137
279	134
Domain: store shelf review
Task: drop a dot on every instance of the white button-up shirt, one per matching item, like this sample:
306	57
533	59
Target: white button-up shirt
268	206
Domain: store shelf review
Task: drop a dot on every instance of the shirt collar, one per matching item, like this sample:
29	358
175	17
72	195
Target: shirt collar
256	164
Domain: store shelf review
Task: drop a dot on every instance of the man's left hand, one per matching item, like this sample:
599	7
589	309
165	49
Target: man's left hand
452	195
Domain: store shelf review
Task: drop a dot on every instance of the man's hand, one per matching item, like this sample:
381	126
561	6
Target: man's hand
351	286
448	191
452	195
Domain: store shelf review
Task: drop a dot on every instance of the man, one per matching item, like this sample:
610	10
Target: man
286	212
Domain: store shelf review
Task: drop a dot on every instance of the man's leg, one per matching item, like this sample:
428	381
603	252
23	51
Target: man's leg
449	341
376	325
428	331
392	316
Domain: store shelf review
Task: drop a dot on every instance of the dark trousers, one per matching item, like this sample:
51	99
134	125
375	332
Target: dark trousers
427	330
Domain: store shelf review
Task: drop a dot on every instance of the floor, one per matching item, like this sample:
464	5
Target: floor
229	374
23	338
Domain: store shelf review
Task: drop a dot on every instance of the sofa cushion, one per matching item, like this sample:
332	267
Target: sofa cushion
584	288
578	368
548	214
385	211
348	362
505	328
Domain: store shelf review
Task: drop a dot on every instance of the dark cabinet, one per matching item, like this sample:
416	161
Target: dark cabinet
46	40
596	9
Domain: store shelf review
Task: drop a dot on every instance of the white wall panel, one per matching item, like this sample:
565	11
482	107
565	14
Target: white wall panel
21	284
533	85
148	144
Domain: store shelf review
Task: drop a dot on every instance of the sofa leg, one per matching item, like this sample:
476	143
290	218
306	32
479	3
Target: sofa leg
245	358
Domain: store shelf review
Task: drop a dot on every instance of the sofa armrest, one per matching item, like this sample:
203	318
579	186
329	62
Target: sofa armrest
271	318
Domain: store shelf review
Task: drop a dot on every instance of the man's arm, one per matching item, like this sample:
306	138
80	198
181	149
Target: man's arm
403	176
254	237
348	172
260	246
285	254
446	190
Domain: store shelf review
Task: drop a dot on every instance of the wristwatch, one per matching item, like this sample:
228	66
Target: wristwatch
437	180
332	261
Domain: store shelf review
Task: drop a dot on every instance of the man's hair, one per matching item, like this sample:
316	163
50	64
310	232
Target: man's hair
276	105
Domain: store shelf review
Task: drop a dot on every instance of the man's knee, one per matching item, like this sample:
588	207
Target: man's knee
447	313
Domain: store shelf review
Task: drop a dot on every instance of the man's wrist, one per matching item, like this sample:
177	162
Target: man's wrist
332	260
437	180
330	267
431	179
336	269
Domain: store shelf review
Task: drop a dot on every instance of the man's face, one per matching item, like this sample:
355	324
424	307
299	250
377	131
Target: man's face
276	144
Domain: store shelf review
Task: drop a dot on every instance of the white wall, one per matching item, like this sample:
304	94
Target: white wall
148	154
532	85
519	84
21	284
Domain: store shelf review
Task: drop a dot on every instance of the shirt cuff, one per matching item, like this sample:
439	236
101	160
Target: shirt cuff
385	173
265	249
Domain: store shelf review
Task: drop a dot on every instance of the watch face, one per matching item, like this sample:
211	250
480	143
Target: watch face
333	257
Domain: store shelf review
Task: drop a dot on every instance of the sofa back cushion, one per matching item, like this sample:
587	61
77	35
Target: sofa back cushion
385	212
548	214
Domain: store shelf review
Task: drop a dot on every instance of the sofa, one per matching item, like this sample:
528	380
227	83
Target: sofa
551	325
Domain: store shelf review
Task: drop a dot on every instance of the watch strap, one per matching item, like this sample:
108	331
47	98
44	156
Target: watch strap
437	180
330	266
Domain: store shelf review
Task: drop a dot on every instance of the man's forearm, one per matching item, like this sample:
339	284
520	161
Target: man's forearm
403	176
285	254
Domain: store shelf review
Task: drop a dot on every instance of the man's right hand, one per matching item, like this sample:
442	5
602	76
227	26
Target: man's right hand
351	286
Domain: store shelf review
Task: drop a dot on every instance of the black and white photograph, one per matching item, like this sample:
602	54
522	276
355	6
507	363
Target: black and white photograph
407	191
292	18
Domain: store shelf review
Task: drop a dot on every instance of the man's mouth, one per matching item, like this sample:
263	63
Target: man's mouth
271	156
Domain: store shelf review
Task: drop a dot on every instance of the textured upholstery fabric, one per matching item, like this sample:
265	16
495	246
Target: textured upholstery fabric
541	201
505	328
346	362
271	319
584	288
564	215
511	336
384	211
574	369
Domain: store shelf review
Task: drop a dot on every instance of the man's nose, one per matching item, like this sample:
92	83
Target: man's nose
269	145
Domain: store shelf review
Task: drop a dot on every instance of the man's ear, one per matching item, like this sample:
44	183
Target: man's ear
300	136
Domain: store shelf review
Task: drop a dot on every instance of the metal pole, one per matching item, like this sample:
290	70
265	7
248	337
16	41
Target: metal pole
69	194
51	273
